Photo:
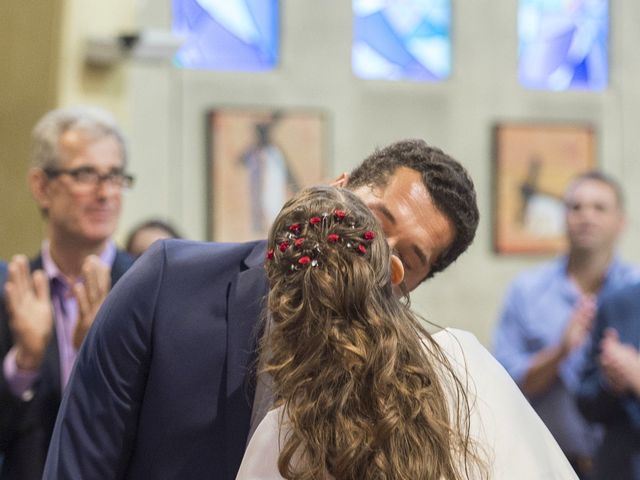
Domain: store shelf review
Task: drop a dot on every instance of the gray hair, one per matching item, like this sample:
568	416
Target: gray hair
94	122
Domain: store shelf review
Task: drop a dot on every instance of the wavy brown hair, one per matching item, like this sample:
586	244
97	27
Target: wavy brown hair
366	392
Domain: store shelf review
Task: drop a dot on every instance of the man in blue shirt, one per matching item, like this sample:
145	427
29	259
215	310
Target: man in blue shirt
609	392
543	333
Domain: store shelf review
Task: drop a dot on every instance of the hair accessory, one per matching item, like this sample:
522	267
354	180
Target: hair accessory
315	220
369	235
333	237
304	260
339	214
295	228
299	242
361	249
283	246
270	254
314	263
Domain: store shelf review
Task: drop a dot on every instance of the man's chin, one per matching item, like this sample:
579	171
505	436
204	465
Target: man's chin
98	235
588	247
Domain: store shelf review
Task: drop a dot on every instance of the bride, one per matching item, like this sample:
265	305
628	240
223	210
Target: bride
361	390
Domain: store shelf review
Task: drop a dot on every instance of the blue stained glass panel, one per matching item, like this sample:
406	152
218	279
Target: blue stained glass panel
241	35
563	44
401	39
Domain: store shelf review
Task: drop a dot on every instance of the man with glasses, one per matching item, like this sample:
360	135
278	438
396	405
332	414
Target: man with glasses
47	305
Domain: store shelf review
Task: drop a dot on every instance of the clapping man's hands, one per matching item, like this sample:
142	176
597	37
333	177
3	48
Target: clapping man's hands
580	324
90	295
30	312
620	364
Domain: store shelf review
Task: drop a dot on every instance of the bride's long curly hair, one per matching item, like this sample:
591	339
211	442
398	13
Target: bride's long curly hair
367	394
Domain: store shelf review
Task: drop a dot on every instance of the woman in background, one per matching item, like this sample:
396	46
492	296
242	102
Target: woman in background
146	233
361	390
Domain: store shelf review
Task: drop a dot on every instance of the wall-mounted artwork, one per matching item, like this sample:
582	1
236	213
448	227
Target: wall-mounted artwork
534	164
257	159
240	35
402	39
563	45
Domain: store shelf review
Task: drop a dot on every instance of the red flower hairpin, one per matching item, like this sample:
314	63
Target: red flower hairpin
283	246
362	249
295	228
369	235
339	214
333	237
304	260
270	254
299	242
315	220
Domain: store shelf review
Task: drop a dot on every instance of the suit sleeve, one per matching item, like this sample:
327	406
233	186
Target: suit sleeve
11	407
95	430
595	401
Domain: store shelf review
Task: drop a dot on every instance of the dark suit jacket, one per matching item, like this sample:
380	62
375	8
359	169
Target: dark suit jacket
26	426
160	389
619	454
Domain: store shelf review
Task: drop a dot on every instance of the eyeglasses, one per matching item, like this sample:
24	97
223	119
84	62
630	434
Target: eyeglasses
90	177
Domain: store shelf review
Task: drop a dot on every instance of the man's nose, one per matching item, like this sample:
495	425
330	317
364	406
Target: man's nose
105	188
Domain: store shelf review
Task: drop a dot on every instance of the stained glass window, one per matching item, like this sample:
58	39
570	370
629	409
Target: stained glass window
227	34
563	44
401	39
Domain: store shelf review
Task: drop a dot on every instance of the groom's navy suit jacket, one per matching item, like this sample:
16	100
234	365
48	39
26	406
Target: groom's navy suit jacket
619	455
161	386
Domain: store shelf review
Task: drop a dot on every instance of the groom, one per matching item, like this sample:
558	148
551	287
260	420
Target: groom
163	384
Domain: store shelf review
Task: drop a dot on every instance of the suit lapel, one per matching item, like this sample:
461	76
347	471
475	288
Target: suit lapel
246	296
633	326
121	264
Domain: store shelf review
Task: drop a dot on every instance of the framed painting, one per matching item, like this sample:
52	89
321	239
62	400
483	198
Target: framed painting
257	158
534	164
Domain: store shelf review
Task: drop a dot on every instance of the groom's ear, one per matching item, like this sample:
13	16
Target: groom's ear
397	270
341	181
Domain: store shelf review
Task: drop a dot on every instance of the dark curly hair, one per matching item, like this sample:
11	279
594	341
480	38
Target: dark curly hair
446	180
366	392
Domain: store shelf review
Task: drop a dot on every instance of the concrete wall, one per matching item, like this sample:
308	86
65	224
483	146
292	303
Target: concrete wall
28	54
163	110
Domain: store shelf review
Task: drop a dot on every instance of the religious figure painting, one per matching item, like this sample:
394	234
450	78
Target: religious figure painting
257	159
534	164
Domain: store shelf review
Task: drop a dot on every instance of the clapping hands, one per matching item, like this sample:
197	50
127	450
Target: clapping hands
580	324
31	311
90	295
620	364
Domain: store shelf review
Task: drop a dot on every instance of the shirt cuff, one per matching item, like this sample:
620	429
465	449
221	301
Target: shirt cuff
19	381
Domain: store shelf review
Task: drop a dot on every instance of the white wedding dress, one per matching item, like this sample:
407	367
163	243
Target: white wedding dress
518	444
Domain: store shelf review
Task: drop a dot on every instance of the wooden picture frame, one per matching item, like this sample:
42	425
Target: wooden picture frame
257	158
534	163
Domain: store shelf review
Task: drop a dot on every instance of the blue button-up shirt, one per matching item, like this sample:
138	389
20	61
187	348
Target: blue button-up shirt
536	311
